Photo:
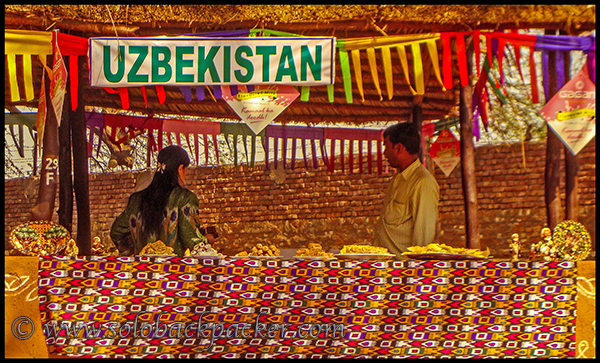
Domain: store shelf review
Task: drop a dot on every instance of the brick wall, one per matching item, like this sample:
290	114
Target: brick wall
293	207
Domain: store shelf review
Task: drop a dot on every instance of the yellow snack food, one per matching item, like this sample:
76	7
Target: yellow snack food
313	250
364	249
443	248
260	250
157	248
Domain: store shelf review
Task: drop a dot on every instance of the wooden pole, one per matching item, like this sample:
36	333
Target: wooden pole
554	148
467	155
571	169
80	169
44	207
417	119
571	184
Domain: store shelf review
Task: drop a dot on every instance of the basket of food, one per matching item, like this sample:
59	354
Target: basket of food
39	238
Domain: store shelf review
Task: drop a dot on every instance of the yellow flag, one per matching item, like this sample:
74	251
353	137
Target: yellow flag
26	43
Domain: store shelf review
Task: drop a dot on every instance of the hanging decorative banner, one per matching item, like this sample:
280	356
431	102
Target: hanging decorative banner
40	120
259	107
188	61
445	151
58	82
571	113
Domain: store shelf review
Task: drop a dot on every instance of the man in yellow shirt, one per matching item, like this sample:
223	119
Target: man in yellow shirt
410	208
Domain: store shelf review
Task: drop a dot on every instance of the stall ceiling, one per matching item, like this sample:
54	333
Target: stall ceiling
343	22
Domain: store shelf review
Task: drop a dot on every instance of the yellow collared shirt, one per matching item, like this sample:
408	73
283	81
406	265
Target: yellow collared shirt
410	210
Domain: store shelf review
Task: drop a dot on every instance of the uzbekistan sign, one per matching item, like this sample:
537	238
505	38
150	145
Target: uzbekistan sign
188	61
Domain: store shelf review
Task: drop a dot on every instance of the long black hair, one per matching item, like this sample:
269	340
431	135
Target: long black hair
155	197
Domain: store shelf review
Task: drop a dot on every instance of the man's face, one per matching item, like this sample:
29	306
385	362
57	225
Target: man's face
392	152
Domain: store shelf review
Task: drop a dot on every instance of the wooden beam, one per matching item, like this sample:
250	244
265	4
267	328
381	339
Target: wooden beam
355	28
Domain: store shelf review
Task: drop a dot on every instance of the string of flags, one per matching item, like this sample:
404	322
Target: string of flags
489	51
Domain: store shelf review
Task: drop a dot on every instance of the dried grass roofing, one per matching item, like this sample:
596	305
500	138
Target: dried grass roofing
466	15
342	21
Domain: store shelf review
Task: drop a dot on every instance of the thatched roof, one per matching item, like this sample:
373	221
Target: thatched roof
326	19
341	21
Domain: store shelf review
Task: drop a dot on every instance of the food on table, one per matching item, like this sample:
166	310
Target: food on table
443	248
364	250
202	249
157	248
260	250
313	250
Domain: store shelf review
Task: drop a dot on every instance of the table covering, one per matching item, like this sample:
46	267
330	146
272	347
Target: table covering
150	306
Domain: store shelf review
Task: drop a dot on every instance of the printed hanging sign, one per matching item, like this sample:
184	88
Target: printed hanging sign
445	151
259	107
58	84
571	113
189	61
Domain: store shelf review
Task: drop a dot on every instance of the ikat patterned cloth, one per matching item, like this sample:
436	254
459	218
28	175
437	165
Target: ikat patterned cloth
176	307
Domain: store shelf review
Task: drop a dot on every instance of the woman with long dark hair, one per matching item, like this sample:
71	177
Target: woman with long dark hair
165	210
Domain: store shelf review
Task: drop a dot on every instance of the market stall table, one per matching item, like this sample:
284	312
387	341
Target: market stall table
151	306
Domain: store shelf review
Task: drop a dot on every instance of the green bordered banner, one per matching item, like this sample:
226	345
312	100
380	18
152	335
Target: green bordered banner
188	61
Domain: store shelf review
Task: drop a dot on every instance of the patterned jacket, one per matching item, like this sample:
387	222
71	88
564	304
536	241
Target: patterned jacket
179	227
